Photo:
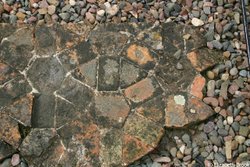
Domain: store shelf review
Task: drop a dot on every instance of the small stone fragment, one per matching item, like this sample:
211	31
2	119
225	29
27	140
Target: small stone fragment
197	22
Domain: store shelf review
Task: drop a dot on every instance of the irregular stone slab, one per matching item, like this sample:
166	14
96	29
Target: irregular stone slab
110	110
183	109
173	79
175	111
153	109
43	111
198	110
83	138
142	90
16	49
77	93
79	54
130	74
111	147
172	39
110	44
37	142
13	89
204	58
133	149
5	150
52	38
21	110
108	74
145	130
9	130
46	74
55	155
7	73
87	73
68	36
45	40
65	112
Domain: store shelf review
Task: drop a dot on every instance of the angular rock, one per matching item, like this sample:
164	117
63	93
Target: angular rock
130	74
75	92
153	109
37	142
79	135
111	110
133	149
142	90
113	47
146	130
65	112
5	150
203	58
7	73
174	80
111	148
108	74
21	110
45	41
81	53
16	88
46	74
87	73
43	111
9	131
16	49
175	111
198	86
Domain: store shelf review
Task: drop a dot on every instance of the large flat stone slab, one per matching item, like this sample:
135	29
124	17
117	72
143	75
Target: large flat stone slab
99	97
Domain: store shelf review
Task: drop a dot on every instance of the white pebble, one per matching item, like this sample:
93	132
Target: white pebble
230	120
197	22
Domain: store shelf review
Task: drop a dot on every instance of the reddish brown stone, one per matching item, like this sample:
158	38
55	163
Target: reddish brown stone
203	58
197	86
141	91
211	101
21	110
133	149
9	131
198	110
175	111
139	54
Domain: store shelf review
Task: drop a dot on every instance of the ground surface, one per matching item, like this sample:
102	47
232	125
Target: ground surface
100	101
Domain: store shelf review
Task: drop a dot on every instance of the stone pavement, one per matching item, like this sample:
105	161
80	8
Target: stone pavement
76	96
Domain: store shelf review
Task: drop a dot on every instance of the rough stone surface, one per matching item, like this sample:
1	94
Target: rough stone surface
70	97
